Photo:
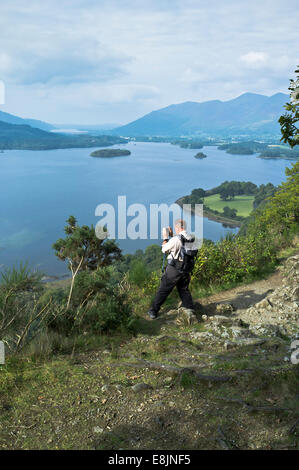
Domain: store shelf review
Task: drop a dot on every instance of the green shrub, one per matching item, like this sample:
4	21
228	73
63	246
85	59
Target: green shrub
97	305
139	274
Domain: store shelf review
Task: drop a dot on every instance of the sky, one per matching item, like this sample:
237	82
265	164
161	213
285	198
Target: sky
112	61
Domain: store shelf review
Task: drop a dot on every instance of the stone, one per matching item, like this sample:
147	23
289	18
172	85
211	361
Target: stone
98	430
186	316
220	319
168	379
141	387
265	329
224	308
262	304
249	341
238	331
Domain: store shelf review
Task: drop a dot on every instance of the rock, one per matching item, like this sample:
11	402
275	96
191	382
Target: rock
168	379
220	319
201	335
249	341
238	331
204	317
172	312
186	316
265	329
262	304
224	308
141	387
98	430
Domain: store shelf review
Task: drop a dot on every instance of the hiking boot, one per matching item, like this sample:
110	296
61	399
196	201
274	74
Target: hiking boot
153	315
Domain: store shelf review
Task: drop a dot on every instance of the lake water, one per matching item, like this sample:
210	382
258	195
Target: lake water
40	189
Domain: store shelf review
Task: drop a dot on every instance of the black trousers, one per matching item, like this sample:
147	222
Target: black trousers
171	278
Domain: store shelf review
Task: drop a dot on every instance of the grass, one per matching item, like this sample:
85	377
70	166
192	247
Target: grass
243	204
58	404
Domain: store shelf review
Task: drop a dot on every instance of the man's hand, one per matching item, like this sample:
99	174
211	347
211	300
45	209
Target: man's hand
167	233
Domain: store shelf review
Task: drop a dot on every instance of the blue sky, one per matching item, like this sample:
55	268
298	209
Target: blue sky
94	62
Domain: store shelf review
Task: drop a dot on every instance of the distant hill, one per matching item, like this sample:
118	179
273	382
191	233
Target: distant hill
11	119
249	113
24	137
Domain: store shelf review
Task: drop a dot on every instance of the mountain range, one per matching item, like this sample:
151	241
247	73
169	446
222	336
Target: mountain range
11	119
248	113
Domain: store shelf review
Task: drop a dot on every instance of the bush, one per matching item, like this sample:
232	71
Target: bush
139	273
20	315
97	305
20	279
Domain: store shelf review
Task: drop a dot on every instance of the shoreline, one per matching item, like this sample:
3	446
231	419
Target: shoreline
231	223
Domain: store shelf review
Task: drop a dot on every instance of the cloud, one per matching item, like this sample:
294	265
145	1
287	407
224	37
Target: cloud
79	60
115	60
255	59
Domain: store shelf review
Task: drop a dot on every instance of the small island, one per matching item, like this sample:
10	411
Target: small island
108	153
200	155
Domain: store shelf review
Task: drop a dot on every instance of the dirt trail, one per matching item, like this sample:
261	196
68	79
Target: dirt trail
244	296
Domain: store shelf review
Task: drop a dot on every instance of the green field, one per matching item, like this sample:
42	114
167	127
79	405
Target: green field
243	204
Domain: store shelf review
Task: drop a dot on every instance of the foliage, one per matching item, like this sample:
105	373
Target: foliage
84	250
231	260
97	305
243	148
82	247
20	313
139	272
289	120
229	212
263	192
281	213
20	279
151	257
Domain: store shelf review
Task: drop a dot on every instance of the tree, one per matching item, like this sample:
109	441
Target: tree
288	121
84	251
227	194
229	212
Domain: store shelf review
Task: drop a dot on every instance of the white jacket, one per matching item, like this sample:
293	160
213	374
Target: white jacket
173	246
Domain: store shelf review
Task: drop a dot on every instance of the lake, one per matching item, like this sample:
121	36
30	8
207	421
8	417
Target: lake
40	189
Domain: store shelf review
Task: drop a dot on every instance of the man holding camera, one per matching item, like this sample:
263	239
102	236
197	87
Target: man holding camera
173	275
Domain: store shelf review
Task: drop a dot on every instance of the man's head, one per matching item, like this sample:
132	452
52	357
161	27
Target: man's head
179	226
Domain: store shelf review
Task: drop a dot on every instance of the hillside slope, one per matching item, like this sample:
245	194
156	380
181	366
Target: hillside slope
211	382
249	112
11	119
24	137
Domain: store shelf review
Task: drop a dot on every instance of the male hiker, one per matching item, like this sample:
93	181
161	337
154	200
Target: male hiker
177	271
